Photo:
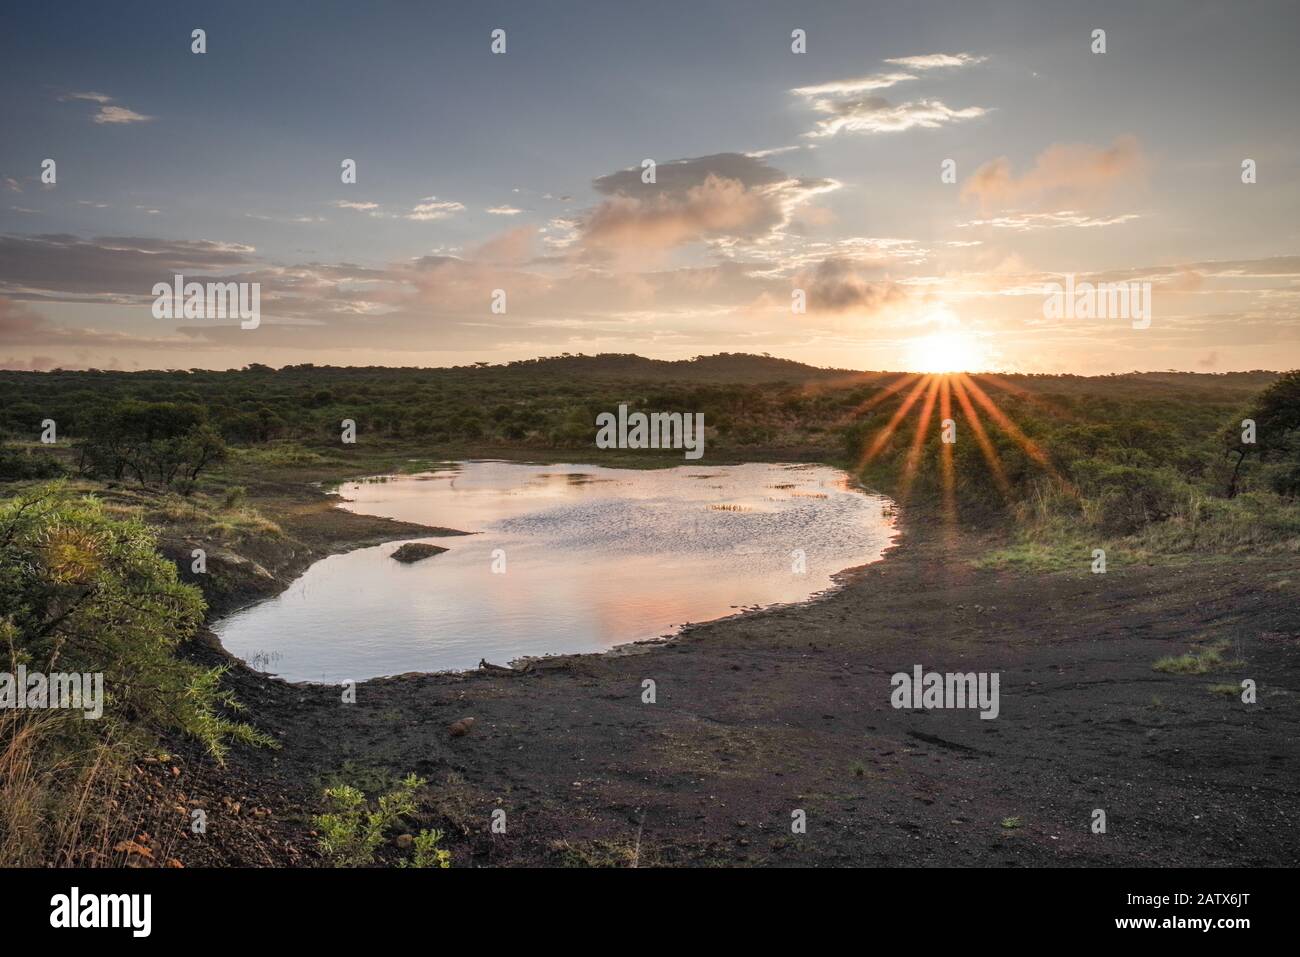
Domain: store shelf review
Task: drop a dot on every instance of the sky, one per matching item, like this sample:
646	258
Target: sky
899	195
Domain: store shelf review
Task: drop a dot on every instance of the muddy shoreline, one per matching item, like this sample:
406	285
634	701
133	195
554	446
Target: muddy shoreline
767	713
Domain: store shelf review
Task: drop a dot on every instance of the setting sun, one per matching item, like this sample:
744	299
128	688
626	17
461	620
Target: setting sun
949	351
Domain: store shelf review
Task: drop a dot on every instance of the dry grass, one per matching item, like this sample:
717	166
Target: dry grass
1230	690
1198	661
23	791
226	517
56	792
602	853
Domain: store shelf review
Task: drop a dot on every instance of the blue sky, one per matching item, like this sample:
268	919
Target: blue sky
1122	165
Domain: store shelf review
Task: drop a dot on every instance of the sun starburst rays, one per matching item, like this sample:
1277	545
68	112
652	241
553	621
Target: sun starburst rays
980	416
884	435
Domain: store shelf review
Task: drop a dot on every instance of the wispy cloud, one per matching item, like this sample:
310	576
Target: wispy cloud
1063	219
875	114
433	208
851	105
119	114
504	210
429	208
861	84
932	61
92	97
262	217
108	111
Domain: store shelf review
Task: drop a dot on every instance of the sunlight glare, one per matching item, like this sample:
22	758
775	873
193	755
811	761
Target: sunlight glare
947	351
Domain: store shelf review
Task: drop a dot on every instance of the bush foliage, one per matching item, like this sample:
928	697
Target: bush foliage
83	592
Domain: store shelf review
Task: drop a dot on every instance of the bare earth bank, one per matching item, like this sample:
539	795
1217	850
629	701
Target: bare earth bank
777	711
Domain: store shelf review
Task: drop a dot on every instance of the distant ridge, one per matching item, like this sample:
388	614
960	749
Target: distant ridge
741	368
725	366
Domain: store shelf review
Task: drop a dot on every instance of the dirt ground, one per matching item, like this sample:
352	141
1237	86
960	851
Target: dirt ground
763	715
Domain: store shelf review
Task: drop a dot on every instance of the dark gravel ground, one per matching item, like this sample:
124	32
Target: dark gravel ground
773	712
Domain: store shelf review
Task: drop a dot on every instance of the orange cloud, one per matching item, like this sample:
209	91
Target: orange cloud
728	197
1063	177
512	246
715	207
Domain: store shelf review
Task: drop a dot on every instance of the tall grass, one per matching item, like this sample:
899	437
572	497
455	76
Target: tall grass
1052	530
59	791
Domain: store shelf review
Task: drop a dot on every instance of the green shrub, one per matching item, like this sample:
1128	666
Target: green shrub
351	832
1199	661
277	455
427	853
83	592
17	464
1121	499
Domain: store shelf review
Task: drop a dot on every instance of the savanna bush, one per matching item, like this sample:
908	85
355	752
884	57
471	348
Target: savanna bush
81	591
1121	499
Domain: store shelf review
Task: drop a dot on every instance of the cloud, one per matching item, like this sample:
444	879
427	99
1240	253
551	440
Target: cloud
714	207
1027	222
726	197
264	218
883	81
931	61
120	268
1064	176
504	210
775	151
119	114
862	84
20	325
361	207
123	270
108	112
433	208
423	304
16	320
416	311
837	285
851	105
875	114
512	246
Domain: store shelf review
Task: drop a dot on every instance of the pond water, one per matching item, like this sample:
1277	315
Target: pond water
563	559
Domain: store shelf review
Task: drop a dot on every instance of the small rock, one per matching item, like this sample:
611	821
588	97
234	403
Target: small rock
404	841
415	551
461	728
